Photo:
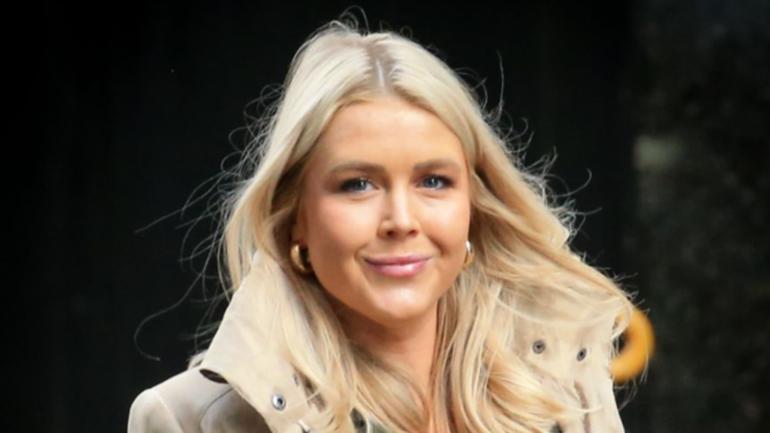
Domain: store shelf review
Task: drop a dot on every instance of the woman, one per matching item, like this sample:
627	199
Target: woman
396	270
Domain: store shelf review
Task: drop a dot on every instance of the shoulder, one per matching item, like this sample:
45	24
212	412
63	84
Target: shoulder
572	360
190	403
565	348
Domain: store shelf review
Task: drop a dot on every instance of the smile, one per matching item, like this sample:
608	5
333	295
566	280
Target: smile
398	268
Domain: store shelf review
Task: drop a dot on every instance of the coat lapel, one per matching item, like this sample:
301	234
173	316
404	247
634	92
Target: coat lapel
246	357
243	356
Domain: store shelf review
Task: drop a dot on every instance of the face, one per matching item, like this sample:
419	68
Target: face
385	211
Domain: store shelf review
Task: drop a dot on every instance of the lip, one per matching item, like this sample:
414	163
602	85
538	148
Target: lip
398	266
397	260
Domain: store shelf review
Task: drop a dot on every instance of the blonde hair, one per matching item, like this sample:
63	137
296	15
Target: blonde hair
523	269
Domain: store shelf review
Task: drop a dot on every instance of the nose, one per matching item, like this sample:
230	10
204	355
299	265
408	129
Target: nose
398	215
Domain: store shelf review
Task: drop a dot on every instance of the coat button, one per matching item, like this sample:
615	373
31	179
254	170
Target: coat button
279	403
582	353
538	346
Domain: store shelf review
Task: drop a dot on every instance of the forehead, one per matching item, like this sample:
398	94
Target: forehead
387	129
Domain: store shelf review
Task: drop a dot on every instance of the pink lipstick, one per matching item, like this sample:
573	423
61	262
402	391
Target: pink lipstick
398	266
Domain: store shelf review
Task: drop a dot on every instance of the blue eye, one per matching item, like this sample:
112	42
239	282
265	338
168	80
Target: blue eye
355	185
436	182
363	184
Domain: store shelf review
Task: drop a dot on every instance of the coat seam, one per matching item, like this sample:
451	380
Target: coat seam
167	408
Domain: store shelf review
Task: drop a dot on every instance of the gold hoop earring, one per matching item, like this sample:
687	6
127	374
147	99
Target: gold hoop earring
299	259
469	254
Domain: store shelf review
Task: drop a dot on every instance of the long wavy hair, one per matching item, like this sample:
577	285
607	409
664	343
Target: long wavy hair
524	268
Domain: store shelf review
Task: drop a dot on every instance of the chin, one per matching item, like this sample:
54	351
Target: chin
404	305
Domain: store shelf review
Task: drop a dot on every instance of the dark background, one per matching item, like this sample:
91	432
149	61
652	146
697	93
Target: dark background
658	111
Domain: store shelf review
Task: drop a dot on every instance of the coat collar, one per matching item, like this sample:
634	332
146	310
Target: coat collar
244	357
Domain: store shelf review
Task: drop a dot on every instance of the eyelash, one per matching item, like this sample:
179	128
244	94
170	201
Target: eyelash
347	185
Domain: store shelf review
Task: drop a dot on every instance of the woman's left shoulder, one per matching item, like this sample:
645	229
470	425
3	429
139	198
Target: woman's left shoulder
573	359
565	348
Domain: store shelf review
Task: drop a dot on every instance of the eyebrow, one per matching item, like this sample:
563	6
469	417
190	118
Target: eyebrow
376	168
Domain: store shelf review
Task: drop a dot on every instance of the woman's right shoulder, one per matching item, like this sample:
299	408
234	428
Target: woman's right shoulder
191	403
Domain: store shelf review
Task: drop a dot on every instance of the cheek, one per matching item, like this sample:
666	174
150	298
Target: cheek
338	226
447	225
457	218
336	232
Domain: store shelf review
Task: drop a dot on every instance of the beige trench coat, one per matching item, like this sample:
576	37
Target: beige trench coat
240	387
